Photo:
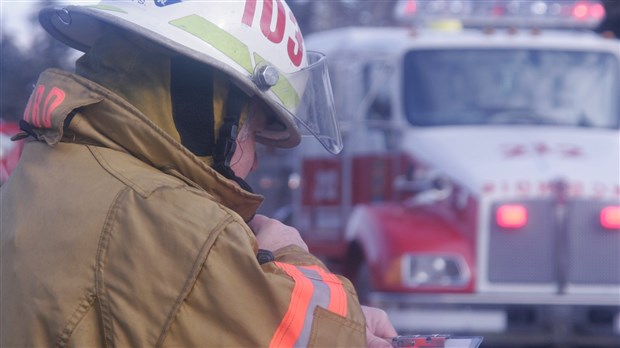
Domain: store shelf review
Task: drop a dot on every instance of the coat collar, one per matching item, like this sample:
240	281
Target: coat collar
103	118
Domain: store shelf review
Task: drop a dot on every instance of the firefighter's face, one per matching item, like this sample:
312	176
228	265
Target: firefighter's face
244	159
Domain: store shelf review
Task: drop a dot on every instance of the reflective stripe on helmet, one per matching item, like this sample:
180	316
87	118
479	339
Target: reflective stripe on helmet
236	50
106	7
216	37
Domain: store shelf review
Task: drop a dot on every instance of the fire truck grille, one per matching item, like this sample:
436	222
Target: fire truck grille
555	246
526	254
594	252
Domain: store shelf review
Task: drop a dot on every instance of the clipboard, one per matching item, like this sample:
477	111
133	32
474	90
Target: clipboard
436	341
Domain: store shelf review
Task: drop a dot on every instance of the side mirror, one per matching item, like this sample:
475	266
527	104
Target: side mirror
432	188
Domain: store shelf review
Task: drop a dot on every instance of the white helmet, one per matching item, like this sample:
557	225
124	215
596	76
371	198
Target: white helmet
256	42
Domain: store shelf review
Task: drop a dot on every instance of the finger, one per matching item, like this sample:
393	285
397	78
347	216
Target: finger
376	342
257	222
378	322
383	328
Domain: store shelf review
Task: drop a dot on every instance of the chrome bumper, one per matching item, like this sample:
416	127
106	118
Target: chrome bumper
489	313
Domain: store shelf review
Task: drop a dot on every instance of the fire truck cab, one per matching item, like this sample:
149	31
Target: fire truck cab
478	190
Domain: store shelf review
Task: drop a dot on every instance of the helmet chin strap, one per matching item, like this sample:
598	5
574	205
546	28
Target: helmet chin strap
227	137
193	112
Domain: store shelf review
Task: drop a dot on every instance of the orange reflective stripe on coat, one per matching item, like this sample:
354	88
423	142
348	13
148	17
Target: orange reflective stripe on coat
313	287
338	298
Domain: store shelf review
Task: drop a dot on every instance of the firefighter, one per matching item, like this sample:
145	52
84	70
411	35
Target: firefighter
128	223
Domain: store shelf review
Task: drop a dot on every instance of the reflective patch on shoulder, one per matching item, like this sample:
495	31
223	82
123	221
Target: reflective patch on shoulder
314	287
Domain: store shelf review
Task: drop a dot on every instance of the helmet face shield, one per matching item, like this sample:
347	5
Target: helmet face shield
307	96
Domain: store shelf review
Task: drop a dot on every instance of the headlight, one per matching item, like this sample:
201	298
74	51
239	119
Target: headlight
434	270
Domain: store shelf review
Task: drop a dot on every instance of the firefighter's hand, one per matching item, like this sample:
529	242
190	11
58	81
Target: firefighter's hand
379	330
273	235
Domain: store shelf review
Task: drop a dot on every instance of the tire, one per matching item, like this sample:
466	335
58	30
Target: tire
363	283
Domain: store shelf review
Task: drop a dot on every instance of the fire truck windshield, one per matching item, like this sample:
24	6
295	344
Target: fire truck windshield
511	86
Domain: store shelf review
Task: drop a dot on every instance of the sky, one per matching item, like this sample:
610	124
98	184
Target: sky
14	19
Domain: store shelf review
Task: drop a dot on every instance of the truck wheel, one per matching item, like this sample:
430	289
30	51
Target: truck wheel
363	284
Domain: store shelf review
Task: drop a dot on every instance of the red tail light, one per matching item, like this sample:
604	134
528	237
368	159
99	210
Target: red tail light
580	11
610	217
511	216
584	10
597	11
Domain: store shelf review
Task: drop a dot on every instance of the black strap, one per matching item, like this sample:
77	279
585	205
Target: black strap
227	136
26	131
191	85
191	88
263	256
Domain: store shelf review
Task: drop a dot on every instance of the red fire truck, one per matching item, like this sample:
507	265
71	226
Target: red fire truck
479	186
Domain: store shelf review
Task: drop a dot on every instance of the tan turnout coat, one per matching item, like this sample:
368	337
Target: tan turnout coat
115	235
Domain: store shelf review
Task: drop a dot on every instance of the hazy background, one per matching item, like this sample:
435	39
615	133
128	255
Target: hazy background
26	49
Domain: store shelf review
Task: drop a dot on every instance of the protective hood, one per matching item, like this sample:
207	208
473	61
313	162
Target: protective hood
133	73
189	107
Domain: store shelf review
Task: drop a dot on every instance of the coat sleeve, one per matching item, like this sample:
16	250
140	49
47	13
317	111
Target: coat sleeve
292	301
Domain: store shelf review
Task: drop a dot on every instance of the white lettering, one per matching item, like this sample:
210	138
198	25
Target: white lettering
325	185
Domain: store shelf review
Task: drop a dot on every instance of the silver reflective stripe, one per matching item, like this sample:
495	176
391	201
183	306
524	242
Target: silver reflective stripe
320	297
